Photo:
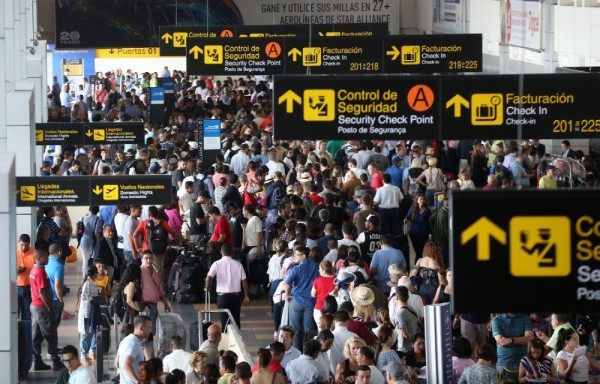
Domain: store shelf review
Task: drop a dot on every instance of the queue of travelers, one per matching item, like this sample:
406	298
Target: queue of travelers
349	241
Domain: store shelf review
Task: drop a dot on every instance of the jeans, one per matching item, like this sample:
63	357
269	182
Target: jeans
302	321
153	307
276	309
24	301
87	340
429	196
427	292
128	255
57	308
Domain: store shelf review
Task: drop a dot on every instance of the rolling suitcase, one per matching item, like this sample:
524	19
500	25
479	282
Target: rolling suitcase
195	327
25	348
167	326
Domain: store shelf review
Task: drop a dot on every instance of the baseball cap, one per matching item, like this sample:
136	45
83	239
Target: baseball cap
373	219
269	179
396	159
130	152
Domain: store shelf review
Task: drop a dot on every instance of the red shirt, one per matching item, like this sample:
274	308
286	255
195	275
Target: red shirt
275	366
362	331
222	228
316	199
324	285
377	181
38	280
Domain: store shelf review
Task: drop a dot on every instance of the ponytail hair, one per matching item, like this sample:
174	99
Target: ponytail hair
563	336
385	334
264	358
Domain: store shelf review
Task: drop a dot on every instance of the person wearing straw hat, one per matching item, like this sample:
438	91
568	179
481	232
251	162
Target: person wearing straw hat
363	298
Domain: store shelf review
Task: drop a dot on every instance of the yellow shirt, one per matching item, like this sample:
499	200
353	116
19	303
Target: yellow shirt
547	182
102	282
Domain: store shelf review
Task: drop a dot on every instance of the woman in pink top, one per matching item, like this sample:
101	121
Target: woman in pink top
461	357
322	286
175	220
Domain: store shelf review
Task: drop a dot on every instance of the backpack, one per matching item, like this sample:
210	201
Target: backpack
198	187
249	198
118	305
232	152
80	231
157	237
276	196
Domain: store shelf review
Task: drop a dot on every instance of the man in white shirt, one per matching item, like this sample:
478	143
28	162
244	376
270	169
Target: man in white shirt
388	199
305	369
178	359
79	374
286	337
131	350
340	335
240	160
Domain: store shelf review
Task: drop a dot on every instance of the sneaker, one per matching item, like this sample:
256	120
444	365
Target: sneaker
41	366
67	316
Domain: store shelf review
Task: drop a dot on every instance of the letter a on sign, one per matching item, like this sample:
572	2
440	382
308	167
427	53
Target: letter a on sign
273	50
420	98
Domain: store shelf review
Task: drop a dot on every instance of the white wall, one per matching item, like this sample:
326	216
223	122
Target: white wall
140	65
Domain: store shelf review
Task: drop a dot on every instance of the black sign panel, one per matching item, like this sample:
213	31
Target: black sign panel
40	191
356	107
89	133
242	56
550	106
433	53
85	190
59	133
505	244
174	39
131	190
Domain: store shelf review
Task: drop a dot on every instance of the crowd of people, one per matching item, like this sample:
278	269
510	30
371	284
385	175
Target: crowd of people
349	240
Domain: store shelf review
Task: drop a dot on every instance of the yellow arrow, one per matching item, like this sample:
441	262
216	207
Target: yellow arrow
289	98
89	133
294	53
394	53
457	101
484	230
167	37
97	190
195	51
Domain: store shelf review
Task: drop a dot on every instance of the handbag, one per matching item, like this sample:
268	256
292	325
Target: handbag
439	184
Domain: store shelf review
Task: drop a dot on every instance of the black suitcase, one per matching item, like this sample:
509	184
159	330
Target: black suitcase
186	279
25	348
170	256
105	327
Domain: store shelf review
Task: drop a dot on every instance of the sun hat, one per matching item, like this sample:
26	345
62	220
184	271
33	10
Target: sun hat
362	295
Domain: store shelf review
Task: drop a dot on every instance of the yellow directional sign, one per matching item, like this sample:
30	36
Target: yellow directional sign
97	190
394	52
540	246
111	192
166	37
289	98
483	230
311	57
27	192
487	109
39	135
213	54
89	133
127	53
410	55
294	53
180	39
99	134
319	105
196	50
457	102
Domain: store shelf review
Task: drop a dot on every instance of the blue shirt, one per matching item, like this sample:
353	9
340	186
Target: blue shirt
511	327
301	279
54	230
396	172
55	270
107	214
382	259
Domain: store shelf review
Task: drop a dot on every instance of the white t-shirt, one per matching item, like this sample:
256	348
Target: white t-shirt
178	359
82	375
581	368
253	228
130	346
120	219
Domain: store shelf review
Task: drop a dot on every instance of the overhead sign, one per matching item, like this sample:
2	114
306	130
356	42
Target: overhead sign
447	16
433	53
40	191
127	53
85	190
356	107
128	190
174	39
506	250
544	106
89	133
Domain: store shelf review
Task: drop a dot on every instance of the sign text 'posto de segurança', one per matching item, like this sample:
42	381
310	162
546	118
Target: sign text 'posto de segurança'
588	252
374	111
